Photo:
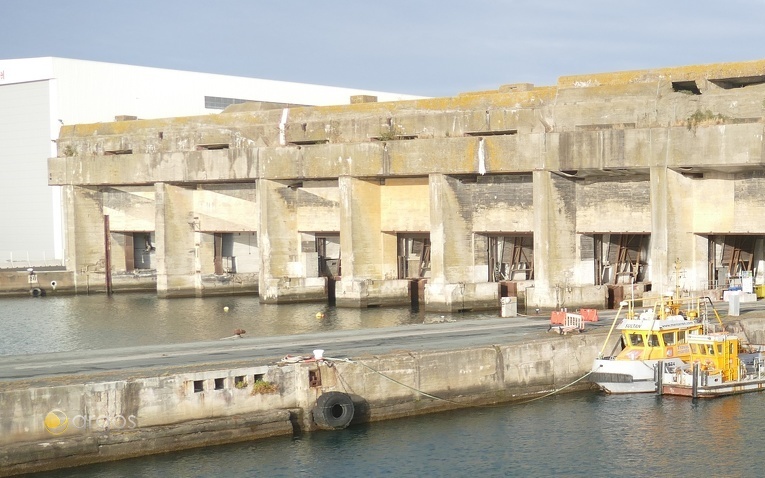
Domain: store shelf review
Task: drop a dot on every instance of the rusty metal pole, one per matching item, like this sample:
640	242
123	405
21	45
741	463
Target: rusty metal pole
108	252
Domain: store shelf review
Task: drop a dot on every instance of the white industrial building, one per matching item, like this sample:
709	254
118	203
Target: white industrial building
38	95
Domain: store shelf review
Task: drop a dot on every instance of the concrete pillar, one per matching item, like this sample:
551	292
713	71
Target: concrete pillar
362	281
672	234
282	272
360	237
85	254
453	285
178	238
554	243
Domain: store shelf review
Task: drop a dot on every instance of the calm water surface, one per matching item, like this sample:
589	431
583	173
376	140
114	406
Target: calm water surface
582	434
56	324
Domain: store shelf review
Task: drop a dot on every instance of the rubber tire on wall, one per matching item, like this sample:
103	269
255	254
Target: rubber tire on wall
333	411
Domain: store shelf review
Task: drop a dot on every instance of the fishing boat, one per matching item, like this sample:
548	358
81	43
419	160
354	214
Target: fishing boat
656	334
719	365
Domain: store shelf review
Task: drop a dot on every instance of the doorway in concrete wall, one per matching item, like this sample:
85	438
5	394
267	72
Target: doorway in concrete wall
236	252
224	259
139	249
511	258
413	255
620	262
620	258
733	258
414	264
329	265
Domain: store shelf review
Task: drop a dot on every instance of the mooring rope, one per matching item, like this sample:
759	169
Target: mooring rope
553	392
556	390
347	360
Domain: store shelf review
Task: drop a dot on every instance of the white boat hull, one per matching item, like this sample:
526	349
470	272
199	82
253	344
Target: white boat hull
627	376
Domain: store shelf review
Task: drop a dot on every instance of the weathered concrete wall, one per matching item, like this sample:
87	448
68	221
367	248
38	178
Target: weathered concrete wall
120	418
652	152
22	283
178	272
282	274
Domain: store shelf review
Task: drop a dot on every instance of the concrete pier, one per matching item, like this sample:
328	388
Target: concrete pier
75	408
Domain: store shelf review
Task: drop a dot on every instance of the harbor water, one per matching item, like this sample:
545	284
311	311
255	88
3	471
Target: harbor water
87	322
579	434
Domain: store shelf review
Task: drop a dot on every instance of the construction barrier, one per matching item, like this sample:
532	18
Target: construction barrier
558	317
589	315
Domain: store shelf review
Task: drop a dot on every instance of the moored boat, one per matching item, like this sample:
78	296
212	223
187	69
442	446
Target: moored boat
657	334
718	365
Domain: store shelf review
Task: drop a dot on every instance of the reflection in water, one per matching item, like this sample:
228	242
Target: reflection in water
581	434
54	324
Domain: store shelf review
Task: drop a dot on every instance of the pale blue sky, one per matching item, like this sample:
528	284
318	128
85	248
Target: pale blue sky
432	48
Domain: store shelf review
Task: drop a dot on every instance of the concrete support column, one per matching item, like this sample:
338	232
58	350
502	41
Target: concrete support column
672	237
361	248
282	272
178	238
554	243
453	285
85	253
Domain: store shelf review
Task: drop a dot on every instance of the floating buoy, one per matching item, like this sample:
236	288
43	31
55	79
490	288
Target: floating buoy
319	315
225	309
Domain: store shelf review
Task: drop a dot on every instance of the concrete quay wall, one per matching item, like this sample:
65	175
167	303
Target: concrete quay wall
59	424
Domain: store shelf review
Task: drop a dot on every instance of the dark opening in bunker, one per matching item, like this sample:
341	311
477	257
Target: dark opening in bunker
511	258
686	87
413	255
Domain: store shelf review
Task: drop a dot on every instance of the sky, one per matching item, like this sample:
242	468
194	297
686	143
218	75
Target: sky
428	47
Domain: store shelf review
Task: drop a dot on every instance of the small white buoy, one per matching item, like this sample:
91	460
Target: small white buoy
318	354
225	309
319	315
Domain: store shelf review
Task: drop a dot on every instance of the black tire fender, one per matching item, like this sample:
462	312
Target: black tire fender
333	411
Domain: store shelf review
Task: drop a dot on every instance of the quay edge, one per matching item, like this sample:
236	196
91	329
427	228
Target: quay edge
175	410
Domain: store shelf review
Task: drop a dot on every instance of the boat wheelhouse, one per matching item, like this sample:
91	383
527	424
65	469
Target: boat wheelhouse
718	365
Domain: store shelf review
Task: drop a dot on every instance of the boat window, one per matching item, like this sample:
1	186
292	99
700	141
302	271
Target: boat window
636	340
711	349
669	338
680	335
653	340
702	350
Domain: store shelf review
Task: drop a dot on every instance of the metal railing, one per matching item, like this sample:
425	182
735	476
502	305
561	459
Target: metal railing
27	259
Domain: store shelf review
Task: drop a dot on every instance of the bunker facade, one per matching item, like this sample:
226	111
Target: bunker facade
563	195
